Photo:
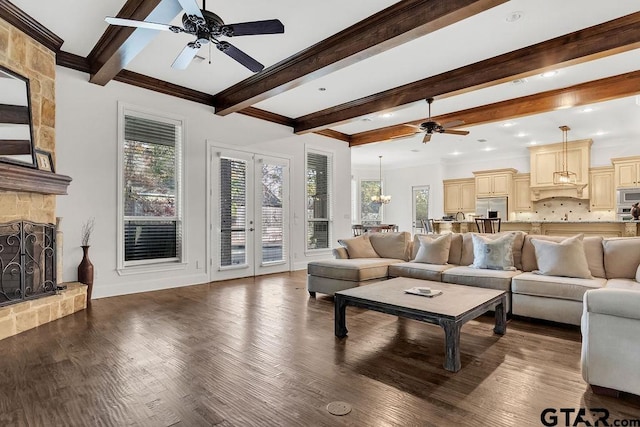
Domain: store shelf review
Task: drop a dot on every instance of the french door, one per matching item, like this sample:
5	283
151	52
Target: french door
249	214
420	198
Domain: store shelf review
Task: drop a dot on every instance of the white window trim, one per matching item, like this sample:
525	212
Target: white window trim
331	155
149	266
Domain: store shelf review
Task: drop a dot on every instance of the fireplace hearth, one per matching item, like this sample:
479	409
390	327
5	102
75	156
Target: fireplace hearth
27	261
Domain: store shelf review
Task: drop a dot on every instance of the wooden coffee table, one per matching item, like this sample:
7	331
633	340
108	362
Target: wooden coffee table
457	305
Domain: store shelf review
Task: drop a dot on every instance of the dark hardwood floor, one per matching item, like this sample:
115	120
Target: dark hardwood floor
259	352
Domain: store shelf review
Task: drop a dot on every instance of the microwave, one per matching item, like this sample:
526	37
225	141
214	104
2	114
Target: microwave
628	196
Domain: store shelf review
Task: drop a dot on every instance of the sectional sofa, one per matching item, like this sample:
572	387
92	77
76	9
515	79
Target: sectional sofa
606	302
612	264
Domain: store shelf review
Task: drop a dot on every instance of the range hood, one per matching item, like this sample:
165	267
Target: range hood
580	192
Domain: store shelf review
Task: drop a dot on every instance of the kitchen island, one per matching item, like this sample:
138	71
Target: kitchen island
552	228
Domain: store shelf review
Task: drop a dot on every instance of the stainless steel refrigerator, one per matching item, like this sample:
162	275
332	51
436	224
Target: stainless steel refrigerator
488	207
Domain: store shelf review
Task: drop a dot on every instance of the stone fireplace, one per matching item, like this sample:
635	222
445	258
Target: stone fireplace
28	196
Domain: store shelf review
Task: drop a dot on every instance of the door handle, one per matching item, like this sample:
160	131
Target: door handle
251	229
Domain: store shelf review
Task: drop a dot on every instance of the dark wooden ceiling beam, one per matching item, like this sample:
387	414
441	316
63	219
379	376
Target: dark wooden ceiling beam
391	27
609	38
574	96
119	45
25	23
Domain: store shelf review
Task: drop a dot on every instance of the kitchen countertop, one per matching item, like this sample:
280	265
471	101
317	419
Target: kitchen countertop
537	221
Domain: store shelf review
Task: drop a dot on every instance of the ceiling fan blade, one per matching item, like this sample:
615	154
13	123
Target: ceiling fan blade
139	24
427	138
405	136
186	56
271	26
453	124
456	132
240	56
191	8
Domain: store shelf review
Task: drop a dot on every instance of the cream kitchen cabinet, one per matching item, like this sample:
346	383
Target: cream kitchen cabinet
494	183
627	172
547	159
459	195
602	188
521	193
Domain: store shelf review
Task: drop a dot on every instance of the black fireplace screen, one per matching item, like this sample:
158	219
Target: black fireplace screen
27	261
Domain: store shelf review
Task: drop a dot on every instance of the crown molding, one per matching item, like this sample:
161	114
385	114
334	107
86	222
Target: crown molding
25	23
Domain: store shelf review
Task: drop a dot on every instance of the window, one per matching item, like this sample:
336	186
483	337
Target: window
150	179
370	212
319	199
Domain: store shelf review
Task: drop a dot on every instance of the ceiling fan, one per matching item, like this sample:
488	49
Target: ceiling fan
430	127
208	28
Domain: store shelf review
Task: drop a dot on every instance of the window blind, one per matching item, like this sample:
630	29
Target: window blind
273	241
319	199
152	229
233	211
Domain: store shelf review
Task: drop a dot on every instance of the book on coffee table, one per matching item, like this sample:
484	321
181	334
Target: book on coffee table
425	292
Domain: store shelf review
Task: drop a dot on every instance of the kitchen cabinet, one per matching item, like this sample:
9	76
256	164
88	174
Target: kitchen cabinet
521	193
494	183
602	188
459	196
627	172
547	159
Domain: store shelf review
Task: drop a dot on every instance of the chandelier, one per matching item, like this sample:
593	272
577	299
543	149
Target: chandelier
380	198
564	177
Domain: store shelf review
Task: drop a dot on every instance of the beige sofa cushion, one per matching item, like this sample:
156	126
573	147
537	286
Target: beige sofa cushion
491	279
418	270
623	284
455	252
355	270
466	257
568	288
565	258
592	249
621	257
359	247
391	245
432	248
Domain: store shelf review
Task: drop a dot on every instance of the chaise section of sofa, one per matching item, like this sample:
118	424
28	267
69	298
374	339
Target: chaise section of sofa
360	261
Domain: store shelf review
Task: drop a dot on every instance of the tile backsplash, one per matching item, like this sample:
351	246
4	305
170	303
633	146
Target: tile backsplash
555	209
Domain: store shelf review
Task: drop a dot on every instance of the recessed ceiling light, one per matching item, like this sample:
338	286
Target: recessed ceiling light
386	115
549	74
488	148
367	119
519	81
456	153
514	16
415	151
600	133
322	89
521	134
482	140
508	124
533	143
587	110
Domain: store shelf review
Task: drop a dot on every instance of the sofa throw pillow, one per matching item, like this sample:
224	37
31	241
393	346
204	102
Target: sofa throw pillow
391	245
566	258
493	254
434	249
359	247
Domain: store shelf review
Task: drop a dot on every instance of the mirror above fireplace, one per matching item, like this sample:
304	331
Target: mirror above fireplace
16	134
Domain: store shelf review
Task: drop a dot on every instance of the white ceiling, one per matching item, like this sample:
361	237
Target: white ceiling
482	36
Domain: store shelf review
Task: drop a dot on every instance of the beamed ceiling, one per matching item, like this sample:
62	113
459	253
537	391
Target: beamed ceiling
359	72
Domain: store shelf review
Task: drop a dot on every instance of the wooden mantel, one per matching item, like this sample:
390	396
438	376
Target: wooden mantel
20	178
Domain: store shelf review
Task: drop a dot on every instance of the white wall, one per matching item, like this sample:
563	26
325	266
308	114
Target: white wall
86	150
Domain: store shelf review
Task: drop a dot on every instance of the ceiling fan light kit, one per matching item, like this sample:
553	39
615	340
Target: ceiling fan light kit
564	177
208	27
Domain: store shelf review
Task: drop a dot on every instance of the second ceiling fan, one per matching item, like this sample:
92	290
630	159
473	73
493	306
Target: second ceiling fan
430	126
208	27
